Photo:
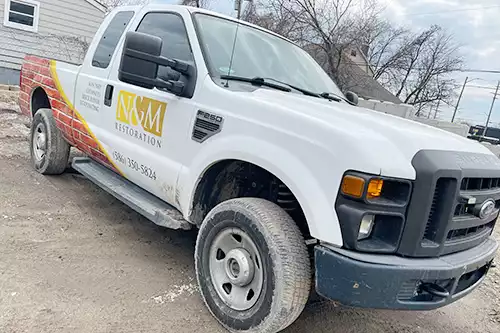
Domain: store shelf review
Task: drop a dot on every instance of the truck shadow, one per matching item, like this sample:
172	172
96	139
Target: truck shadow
175	249
133	227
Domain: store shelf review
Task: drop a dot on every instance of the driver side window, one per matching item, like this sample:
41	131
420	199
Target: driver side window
171	29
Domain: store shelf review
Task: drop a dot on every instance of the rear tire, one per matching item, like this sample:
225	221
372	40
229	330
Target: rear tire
49	150
252	266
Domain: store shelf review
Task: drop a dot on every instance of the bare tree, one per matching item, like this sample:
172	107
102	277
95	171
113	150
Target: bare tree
416	67
195	3
278	16
110	4
387	45
326	29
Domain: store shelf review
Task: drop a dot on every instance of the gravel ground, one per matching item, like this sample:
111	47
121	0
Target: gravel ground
74	259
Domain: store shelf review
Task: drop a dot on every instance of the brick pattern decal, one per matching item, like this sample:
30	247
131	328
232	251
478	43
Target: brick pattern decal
40	72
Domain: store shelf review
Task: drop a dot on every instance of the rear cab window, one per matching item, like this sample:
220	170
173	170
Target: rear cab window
110	38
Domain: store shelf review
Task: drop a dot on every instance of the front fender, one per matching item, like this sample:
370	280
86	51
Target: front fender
314	193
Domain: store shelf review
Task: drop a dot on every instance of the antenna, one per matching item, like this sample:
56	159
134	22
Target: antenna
232	54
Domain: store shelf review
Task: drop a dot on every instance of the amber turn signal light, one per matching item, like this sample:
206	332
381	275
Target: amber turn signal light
374	188
353	186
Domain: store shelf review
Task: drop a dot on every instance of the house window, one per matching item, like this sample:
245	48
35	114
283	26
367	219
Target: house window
22	14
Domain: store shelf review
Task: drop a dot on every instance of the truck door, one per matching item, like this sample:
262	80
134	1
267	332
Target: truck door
92	118
148	126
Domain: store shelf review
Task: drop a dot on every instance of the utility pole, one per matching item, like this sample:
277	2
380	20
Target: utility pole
237	6
459	98
437	108
491	109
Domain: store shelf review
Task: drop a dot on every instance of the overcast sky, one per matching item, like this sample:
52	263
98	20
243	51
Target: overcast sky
475	25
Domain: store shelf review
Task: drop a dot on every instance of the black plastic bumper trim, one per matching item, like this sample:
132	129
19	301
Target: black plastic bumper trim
374	281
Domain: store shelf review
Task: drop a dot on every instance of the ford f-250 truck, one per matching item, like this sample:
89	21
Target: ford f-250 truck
197	120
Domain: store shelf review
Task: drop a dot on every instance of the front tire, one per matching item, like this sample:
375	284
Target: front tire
49	150
252	266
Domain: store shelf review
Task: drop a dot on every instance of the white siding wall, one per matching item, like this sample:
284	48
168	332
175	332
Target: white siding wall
358	60
64	28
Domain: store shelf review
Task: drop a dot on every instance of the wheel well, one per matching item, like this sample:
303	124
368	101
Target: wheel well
39	100
230	179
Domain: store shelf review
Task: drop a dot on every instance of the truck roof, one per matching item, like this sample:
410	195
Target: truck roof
199	10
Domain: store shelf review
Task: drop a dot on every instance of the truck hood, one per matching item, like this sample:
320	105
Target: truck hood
389	137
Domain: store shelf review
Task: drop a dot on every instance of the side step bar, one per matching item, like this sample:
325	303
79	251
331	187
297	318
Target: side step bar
130	194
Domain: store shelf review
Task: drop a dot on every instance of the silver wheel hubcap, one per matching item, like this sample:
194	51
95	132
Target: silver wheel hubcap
236	269
39	142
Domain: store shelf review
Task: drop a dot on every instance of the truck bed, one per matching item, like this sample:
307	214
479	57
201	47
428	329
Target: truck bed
39	72
42	82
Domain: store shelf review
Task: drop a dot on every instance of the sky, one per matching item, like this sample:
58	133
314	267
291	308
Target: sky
475	25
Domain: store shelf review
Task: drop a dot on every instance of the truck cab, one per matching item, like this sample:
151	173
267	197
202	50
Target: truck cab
198	120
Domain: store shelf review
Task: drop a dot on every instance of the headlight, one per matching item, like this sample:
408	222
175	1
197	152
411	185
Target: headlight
371	211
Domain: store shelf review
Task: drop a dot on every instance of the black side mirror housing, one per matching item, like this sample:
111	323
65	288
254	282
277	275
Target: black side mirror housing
141	58
352	97
135	70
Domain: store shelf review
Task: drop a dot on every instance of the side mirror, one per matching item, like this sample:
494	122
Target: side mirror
137	71
141	59
352	97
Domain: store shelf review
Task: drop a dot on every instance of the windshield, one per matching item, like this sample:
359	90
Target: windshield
259	54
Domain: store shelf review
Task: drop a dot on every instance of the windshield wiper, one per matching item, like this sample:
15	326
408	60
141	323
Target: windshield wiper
302	90
326	95
337	97
333	96
263	81
256	81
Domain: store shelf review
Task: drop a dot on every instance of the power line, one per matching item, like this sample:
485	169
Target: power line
465	70
481	87
454	10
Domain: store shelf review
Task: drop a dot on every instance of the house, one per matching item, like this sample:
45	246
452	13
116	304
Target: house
59	29
354	72
358	56
358	75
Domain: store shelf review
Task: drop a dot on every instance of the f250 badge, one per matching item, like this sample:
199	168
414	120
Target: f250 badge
140	117
206	125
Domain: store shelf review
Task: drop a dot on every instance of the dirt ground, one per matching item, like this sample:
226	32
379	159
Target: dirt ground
74	259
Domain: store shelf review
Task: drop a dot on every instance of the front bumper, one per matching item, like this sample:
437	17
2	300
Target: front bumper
393	282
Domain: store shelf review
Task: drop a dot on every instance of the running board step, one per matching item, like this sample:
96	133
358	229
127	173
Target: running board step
130	194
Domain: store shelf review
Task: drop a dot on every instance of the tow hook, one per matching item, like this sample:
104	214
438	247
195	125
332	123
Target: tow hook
434	289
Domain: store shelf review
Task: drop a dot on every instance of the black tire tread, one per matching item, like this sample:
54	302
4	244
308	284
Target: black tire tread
57	155
287	250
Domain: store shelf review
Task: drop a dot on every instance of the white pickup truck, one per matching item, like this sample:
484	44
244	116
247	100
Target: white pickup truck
197	120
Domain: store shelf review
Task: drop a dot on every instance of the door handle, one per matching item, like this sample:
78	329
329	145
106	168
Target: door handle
108	95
